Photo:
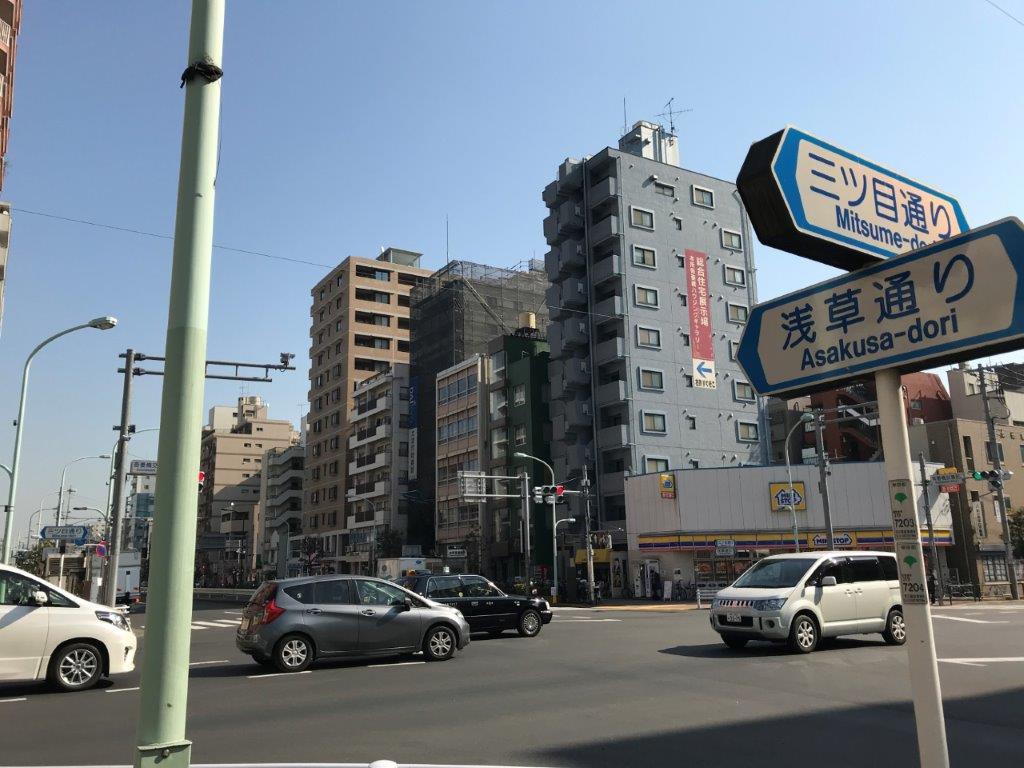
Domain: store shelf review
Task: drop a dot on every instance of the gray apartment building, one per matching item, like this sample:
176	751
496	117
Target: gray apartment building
652	280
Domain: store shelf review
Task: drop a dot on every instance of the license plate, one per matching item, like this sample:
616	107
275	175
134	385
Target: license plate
733	618
246	623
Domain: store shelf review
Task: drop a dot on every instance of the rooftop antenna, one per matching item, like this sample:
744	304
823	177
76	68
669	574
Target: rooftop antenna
671	113
447	260
625	122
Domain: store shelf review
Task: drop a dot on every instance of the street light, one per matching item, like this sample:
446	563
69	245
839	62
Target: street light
64	477
100	323
805	418
554	524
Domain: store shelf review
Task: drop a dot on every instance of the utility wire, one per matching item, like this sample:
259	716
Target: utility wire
1005	12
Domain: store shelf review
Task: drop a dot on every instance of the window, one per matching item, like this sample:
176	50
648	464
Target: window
403	346
866	569
993	567
366	294
742	391
645	297
478	586
644	257
519	394
1022	453
654	423
736	313
655	464
519	435
664	189
682	299
735	276
651	338
691	422
732	240
651	379
334	592
497	366
746	431
694	464
969	454
734	348
498	402
915	405
687	380
379	593
640	217
18	590
990	452
444	586
705	198
677	222
499	443
838	569
889	570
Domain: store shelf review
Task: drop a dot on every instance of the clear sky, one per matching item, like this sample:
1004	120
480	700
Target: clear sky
351	126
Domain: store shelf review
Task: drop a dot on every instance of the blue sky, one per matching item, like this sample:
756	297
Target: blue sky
351	126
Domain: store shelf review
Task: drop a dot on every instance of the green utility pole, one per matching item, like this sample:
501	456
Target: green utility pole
164	688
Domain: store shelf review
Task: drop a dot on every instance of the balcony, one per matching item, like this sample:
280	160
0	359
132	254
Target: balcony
608	268
578	454
367	463
603	191
613	349
557	382
377	406
576	373
5	33
551	228
559	429
553	298
570	217
550	194
579	415
364	436
612	438
573	332
611	393
605	229
573	255
573	293
570	177
607	309
555	339
367	490
613	483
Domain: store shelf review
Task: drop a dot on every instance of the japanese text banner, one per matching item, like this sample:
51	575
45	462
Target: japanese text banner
702	346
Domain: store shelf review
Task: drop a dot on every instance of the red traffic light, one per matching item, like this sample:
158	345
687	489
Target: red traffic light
559	490
202	479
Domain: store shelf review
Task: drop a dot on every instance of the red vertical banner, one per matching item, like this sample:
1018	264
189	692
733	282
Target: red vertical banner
702	345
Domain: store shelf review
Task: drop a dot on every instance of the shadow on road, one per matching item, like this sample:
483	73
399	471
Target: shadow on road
760	649
981	730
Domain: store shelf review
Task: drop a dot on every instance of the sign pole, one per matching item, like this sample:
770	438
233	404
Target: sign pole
933	550
924	671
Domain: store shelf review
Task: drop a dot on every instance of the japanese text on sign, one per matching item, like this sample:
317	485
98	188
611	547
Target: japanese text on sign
702	347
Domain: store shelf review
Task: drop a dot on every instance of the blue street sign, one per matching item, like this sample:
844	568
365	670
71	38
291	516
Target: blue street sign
952	301
812	198
703	368
74	533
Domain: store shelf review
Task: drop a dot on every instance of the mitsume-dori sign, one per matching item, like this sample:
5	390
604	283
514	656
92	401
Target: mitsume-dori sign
811	198
951	301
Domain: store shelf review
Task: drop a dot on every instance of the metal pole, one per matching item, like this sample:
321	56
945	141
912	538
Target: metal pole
164	688
924	671
789	475
932	548
585	485
990	425
823	473
117	510
524	480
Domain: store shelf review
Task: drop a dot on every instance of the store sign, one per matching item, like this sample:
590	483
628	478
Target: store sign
702	347
667	483
783	496
725	548
456	552
838	539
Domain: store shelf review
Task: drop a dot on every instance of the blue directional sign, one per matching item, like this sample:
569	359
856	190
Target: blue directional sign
74	533
809	197
948	302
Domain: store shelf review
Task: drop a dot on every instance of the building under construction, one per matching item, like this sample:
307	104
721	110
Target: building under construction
455	313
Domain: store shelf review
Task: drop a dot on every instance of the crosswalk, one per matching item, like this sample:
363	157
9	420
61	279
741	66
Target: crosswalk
201	624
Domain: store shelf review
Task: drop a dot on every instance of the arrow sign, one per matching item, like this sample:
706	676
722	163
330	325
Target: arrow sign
809	197
704	369
960	299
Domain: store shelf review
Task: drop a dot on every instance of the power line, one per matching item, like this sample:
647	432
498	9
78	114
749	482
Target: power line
144	233
1005	12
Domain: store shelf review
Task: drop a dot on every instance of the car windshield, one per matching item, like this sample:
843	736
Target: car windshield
774	573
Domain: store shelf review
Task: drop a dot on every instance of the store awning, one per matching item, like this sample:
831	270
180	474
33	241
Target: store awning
813	539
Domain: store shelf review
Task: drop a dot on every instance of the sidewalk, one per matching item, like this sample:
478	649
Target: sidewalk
629	605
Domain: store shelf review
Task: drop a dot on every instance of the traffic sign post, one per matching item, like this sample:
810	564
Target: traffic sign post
76	534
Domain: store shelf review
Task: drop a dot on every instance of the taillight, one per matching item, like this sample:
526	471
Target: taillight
271	611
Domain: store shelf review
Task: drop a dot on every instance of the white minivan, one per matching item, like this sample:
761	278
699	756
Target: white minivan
49	634
802	597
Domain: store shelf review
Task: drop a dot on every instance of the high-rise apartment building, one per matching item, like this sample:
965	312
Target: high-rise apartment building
141	505
281	510
360	328
455	314
10	23
231	455
652	281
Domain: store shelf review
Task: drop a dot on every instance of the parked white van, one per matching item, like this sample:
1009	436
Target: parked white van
800	598
49	634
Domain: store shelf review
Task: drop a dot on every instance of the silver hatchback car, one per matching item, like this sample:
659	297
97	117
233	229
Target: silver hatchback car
289	623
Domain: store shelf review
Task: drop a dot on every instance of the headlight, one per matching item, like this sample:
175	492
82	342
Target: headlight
114	618
772	604
716	603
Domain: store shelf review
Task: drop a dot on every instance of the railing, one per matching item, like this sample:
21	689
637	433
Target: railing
5	32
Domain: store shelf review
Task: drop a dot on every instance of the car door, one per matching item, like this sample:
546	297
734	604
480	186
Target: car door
838	603
449	590
24	628
330	613
386	623
872	592
484	603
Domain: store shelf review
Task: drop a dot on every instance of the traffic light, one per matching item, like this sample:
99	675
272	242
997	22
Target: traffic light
542	494
995	477
202	479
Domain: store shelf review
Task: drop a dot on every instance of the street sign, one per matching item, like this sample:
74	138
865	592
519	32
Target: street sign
142	467
667	484
74	533
101	549
950	488
809	197
456	552
947	471
472	485
904	511
960	299
782	497
702	345
725	548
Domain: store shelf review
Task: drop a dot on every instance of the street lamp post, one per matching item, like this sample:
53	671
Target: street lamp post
554	523
100	323
60	507
805	418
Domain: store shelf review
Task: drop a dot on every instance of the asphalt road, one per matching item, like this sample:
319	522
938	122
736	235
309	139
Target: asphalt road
594	689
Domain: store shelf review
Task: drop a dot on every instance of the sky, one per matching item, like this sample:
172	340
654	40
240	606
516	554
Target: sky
347	127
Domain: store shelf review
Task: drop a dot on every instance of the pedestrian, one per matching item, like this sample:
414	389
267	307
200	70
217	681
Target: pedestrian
932	586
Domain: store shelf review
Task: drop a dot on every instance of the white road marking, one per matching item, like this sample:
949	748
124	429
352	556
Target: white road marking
121	690
397	664
217	623
11	701
234	613
278	674
201	663
982	662
197	627
563	621
970	621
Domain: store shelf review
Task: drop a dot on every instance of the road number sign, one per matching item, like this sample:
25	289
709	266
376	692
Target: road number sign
76	533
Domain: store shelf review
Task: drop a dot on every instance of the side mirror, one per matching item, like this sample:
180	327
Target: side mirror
828	581
40	598
407	605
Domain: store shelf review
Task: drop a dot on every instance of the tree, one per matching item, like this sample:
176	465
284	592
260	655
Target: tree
31	560
1016	520
389	543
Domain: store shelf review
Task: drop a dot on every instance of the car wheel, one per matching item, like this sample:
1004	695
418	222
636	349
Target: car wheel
76	667
529	623
263	661
736	642
439	644
803	634
293	653
895	628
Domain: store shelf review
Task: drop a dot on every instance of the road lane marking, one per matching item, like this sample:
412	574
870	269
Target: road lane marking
236	613
278	674
11	701
201	663
563	621
196	627
218	623
397	664
121	690
969	621
982	662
